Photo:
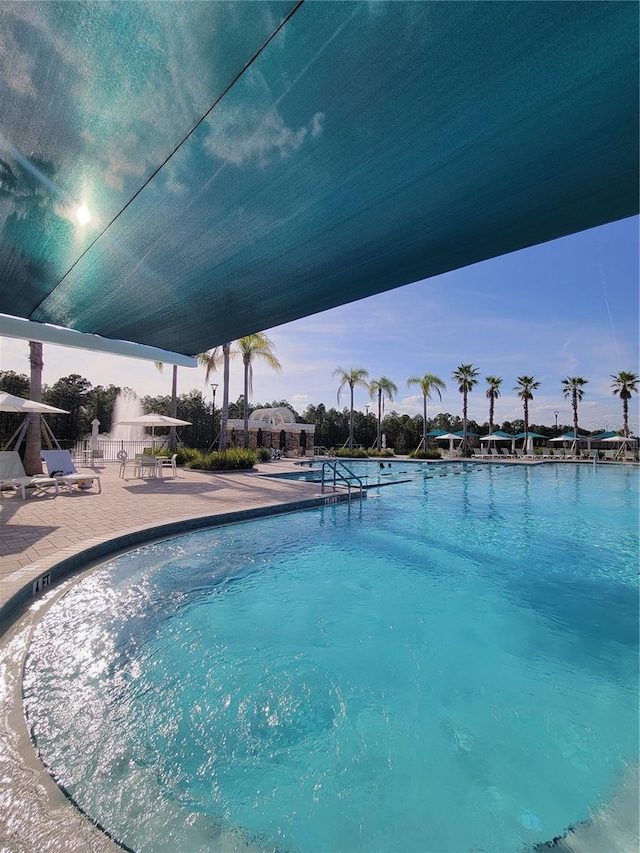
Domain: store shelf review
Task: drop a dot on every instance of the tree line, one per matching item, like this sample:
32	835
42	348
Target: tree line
333	426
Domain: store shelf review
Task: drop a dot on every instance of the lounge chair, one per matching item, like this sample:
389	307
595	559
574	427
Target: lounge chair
505	453
13	476
60	466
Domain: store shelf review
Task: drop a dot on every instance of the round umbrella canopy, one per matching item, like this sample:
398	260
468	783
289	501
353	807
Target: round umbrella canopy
11	403
497	435
619	439
569	436
450	437
153	419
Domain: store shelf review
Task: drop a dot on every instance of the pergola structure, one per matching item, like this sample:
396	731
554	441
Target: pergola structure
177	175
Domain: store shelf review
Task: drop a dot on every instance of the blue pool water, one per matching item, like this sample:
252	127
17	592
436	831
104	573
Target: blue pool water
450	666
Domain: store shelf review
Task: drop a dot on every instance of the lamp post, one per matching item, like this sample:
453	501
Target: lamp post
556	414
214	386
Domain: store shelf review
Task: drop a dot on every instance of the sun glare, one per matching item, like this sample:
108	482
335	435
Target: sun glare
82	214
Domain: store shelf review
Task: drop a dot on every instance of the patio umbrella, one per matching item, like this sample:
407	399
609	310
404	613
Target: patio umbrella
95	426
528	439
497	435
450	437
620	439
153	419
11	403
568	436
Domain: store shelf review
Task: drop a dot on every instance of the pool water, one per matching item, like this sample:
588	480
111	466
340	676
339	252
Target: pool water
450	665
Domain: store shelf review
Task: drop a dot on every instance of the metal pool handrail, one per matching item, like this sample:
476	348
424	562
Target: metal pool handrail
339	477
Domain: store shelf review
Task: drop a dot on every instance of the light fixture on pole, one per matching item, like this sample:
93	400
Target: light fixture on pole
556	414
367	408
214	387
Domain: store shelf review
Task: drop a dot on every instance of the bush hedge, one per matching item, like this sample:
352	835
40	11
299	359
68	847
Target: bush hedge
234	459
425	454
356	453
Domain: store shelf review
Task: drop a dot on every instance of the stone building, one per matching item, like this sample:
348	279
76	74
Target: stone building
275	428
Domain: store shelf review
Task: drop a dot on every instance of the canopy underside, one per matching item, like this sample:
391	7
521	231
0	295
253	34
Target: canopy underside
245	164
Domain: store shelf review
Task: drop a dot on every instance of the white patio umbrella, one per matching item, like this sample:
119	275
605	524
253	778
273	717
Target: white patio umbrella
622	440
451	437
153	419
95	426
11	403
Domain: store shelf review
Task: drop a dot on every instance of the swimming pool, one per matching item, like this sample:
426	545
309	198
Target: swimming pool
450	665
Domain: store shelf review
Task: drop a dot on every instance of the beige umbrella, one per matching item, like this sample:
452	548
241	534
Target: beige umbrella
11	403
153	419
450	437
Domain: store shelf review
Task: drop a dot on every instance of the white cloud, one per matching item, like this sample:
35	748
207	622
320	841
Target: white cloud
248	134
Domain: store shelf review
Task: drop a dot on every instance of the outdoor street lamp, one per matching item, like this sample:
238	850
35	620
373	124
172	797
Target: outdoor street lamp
214	386
367	408
556	414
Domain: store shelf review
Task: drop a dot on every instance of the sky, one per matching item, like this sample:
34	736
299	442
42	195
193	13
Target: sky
564	308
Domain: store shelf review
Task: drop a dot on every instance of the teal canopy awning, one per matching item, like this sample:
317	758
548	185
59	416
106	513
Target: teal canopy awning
181	174
528	435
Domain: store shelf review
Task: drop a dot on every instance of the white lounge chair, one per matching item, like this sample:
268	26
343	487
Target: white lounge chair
13	476
60	466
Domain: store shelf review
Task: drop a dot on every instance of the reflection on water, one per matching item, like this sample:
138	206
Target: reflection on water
504	657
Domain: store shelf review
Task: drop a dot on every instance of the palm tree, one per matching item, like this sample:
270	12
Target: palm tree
572	389
251	347
427	383
211	361
525	387
465	376
357	376
33	444
492	394
381	388
173	435
624	385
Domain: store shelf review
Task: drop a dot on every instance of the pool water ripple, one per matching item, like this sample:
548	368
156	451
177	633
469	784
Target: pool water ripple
451	666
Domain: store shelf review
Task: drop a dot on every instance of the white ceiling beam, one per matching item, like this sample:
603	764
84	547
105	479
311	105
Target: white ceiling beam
17	327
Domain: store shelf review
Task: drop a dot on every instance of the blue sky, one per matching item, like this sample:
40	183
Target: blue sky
564	308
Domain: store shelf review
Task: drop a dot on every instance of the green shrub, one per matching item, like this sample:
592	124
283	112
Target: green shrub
185	454
234	459
356	453
425	454
386	452
262	454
